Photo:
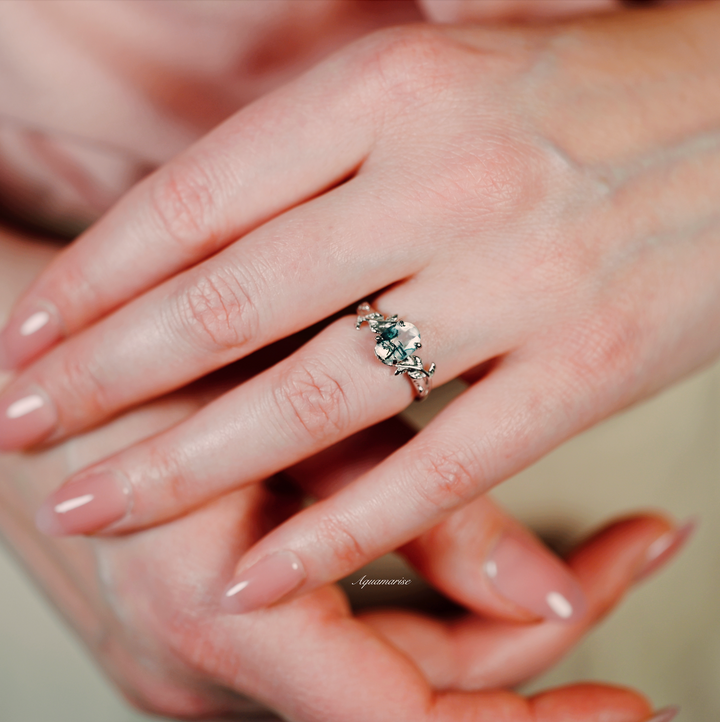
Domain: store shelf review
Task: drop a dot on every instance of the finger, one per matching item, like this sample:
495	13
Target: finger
490	563
291	273
365	678
519	412
274	154
278	655
480	556
481	654
528	582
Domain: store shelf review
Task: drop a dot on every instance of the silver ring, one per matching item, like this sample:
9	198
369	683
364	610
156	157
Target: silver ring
395	343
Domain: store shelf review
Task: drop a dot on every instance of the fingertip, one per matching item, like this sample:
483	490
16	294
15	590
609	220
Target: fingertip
31	331
526	573
665	715
613	559
264	583
27	417
85	506
665	548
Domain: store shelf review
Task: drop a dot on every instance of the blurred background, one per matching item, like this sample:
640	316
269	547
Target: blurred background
664	639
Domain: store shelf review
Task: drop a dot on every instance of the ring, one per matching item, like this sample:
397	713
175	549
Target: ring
396	341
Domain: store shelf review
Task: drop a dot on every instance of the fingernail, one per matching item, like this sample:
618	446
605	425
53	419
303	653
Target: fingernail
666	548
85	506
28	334
533	578
665	715
26	418
264	583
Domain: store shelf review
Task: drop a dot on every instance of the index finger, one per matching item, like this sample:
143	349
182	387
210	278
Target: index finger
276	153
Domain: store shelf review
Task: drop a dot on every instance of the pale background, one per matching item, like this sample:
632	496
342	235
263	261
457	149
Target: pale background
665	640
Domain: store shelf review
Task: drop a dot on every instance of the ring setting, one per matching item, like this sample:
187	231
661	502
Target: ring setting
395	344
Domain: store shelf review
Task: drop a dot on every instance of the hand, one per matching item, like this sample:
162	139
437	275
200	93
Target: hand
150	597
501	191
144	603
149	615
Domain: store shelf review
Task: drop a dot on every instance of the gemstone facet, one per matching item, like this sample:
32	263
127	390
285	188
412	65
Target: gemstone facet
397	342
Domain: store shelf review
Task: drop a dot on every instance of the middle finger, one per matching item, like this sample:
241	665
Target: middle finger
294	271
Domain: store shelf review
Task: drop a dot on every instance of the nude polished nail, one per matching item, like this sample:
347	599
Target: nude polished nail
265	582
28	334
26	418
85	506
665	548
524	572
665	715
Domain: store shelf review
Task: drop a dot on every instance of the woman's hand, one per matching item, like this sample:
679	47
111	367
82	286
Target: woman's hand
523	196
146	604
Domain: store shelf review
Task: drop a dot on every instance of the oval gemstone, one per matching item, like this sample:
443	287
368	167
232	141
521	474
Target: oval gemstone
397	343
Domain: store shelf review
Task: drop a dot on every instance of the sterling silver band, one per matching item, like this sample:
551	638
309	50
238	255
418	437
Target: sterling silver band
395	342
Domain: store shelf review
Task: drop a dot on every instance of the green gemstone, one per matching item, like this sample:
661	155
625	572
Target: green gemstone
397	343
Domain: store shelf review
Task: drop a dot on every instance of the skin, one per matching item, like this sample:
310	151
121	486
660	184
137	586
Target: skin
146	603
554	237
135	597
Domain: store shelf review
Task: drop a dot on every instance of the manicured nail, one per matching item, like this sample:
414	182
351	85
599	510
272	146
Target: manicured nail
28	334
85	506
263	583
665	715
26	418
666	548
529	575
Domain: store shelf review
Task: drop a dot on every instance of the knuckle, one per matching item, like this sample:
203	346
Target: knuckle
606	346
82	388
405	63
331	532
217	311
315	401
182	203
163	468
75	291
510	175
492	180
447	479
